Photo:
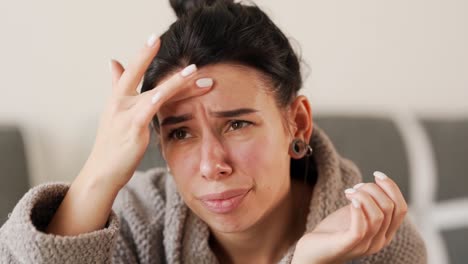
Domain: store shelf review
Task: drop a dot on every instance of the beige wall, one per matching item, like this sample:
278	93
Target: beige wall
363	55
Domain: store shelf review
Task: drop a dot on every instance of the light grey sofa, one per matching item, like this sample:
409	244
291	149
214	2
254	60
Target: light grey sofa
427	157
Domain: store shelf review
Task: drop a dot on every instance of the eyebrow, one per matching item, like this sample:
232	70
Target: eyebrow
172	120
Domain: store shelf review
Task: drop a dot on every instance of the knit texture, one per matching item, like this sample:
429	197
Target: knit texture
150	223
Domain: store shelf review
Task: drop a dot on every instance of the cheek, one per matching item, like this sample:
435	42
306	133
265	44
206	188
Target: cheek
262	158
247	156
184	165
180	157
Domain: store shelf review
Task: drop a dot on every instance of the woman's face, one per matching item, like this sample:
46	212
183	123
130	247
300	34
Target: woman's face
228	149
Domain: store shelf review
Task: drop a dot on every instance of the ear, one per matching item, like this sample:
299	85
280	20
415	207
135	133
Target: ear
300	115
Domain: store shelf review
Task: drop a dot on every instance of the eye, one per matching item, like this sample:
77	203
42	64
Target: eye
237	124
178	134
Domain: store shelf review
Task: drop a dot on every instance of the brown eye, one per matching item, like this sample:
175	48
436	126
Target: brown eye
237	124
178	134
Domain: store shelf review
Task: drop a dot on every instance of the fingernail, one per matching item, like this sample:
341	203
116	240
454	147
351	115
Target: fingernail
188	70
110	65
380	175
355	203
204	82
358	185
350	191
151	40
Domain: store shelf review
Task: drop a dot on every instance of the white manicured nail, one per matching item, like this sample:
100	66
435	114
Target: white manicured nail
355	203
110	65
151	40
204	82
188	70
380	175
350	191
358	185
155	98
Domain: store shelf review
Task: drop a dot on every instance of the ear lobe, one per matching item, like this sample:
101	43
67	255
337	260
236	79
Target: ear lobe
302	118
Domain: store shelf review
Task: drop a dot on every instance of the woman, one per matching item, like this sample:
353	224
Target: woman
241	185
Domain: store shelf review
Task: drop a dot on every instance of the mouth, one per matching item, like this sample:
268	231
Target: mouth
224	202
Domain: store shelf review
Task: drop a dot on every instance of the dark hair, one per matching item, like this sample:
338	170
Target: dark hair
221	31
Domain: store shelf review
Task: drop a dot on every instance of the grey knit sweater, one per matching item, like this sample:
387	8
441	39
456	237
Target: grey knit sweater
150	223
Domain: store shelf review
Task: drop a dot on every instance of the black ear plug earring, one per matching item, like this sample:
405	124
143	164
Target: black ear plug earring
299	148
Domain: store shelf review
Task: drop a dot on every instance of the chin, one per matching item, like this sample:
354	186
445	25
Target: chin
236	221
229	224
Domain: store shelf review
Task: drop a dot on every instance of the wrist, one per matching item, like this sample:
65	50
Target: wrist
95	176
304	255
85	207
93	182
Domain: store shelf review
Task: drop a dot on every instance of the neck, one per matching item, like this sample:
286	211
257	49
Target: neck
272	236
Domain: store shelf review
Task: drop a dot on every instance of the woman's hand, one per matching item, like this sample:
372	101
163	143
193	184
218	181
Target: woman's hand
123	134
360	229
122	138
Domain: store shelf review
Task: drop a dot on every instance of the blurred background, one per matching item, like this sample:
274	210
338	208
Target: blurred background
388	81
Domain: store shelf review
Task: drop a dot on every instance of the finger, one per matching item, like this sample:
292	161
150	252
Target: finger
189	92
372	211
358	226
182	82
116	72
387	207
132	75
393	192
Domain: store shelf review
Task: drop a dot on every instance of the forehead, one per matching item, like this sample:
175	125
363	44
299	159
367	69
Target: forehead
234	87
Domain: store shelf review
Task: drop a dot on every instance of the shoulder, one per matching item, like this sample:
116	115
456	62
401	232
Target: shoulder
148	182
145	194
141	208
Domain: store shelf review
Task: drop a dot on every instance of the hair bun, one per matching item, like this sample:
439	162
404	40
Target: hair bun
182	7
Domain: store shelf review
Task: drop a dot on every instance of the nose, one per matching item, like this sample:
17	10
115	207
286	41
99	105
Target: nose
213	163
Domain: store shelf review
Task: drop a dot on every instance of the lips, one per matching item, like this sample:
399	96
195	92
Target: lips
224	202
